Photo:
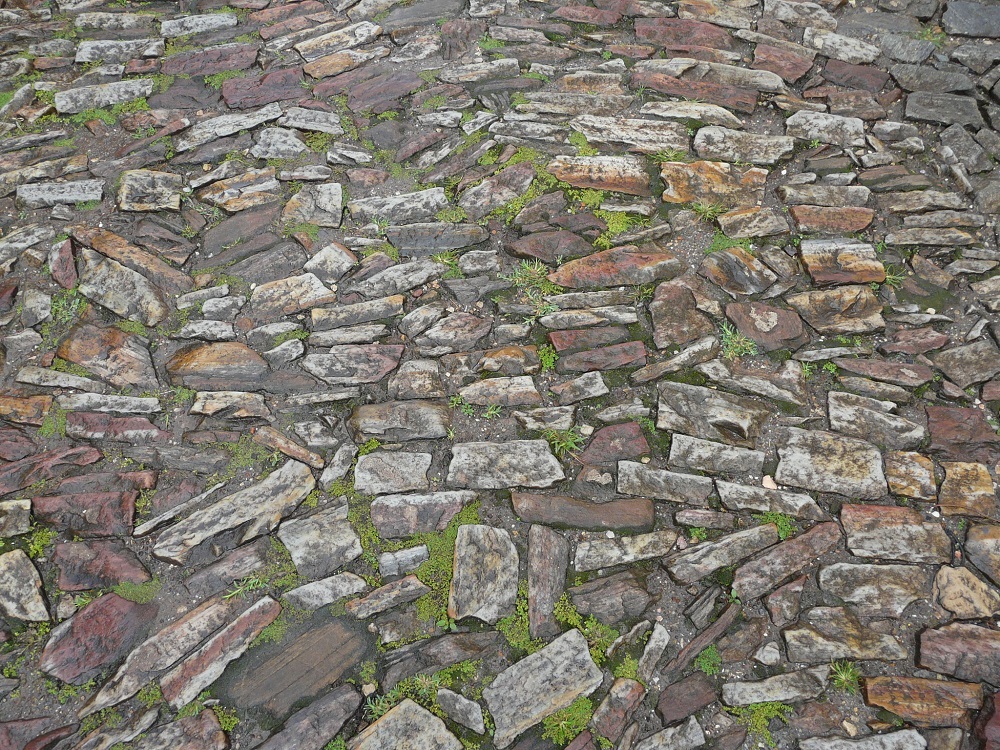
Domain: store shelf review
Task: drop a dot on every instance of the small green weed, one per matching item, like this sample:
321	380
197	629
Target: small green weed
547	357
709	661
487	43
699	533
618	223
38	540
721	242
564	442
757	717
140	593
599	636
449	258
216	80
564	726
708	211
514	627
369	446
846	676
298	334
583	148
785	523
227	718
734	343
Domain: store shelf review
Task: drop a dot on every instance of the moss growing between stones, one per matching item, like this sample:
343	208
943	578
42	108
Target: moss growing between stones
757	717
709	661
599	636
564	726
140	593
515	627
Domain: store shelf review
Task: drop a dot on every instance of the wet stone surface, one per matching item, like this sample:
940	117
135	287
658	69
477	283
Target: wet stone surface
487	374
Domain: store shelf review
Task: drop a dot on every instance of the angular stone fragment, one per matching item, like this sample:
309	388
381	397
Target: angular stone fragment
314	725
637	479
968	652
592	554
21	588
676	318
876	590
752	222
712	182
621	265
969	364
759	576
846	132
943	108
484	584
338	40
837	261
385	472
791	687
400	420
147	190
408	208
261	506
200	669
743	497
219	127
925	702
321	543
102	95
255	187
825	462
828	633
870	419
892	533
706	558
620	174
539	685
737	271
840	47
515	463
845	310
316	204
95	638
964	594
353	365
724	144
406	725
560	511
968	490
907	739
48	194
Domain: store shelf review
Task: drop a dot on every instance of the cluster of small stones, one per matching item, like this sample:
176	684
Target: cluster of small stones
442	374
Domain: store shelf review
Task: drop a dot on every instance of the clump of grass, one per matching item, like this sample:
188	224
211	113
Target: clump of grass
319	142
70	368
531	277
734	343
53	424
933	34
457	402
564	726
515	627
310	230
216	80
599	636
785	523
487	43
846	676
699	533
132	326
721	242
449	258
564	442
670	154
757	717
628	668
150	695
894	276
617	222
369	446
297	335
708	211
709	661
453	214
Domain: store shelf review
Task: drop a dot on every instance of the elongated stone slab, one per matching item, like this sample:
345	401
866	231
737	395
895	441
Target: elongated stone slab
353	365
709	414
925	702
765	573
723	144
163	649
260	506
712	182
567	512
621	174
48	194
408	208
706	558
893	533
642	136
638	479
541	684
744	497
219	127
317	722
828	633
595	553
968	652
826	462
516	463
484	584
876	590
102	95
338	40
791	687
621	265
907	739
398	516
123	291
183	683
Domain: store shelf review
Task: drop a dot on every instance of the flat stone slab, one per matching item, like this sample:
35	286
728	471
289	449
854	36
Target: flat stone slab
484	584
102	95
386	472
592	554
321	543
407	725
516	463
825	462
539	685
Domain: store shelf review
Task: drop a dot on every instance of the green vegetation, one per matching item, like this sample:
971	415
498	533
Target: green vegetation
628	668
642	293
721	242
734	343
278	574
195	707
436	572
564	442
310	230
70	368
670	154
216	80
547	357
831	368
785	523
583	148
108	717
449	258
150	695
618	222
487	43
514	626
846	676
277	630
132	326
64	692
564	726
457	402
227	718
319	142
338	743
531	277
140	593
67	306
492	411
699	533
298	333
246	454
708	211
599	636
53	424
808	369
894	276
453	214
647	424
421	689
709	661
369	446
757	716
933	34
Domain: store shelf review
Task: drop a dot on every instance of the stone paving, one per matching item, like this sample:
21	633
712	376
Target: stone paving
442	374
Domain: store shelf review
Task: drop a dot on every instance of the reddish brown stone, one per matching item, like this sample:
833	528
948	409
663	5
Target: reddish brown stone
49	465
667	31
687	697
47	740
95	638
968	652
279	13
855	76
615	711
925	702
915	341
632	514
619	174
99	426
614	443
587	14
118	358
203	363
676	318
547	246
991	391
159	272
828	220
26	409
790	66
203	62
15	444
712	182
14	734
731	97
106	481
95	565
988	727
784	603
763	574
94	514
383	92
250	93
772	327
620	265
61	265
897	373
962	434
629	354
